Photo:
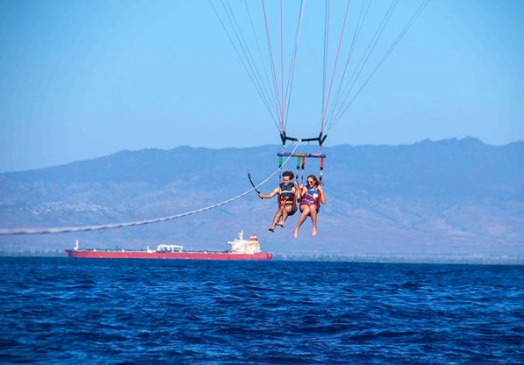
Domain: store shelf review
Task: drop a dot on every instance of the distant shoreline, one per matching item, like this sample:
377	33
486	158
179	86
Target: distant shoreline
383	259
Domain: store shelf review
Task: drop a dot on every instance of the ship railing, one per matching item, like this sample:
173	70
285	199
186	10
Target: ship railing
169	248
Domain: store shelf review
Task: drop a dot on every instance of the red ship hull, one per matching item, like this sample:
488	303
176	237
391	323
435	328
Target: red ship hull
92	254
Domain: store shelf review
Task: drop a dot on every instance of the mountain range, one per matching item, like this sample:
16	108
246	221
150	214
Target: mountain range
457	197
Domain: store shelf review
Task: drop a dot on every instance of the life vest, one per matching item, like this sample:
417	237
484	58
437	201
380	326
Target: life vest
287	196
312	197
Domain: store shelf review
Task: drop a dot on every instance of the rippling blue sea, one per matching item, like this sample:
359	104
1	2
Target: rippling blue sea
71	311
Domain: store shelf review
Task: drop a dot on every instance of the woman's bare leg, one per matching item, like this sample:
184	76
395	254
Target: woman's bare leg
301	220
314	215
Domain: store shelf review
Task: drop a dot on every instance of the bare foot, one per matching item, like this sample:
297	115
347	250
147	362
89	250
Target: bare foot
270	229
281	224
314	233
295	234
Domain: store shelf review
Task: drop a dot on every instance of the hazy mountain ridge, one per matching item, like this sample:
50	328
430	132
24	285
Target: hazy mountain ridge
445	197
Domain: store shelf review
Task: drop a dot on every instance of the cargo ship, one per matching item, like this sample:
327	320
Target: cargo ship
241	249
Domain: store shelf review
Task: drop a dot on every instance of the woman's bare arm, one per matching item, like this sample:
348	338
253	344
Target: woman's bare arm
322	195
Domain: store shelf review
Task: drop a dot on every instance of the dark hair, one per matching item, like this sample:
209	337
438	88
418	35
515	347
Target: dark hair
314	178
289	174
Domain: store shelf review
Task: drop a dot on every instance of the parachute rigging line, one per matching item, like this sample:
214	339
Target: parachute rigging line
341	38
245	46
324	66
283	92
282	62
268	82
273	96
267	86
293	61
272	59
251	76
408	25
365	56
358	29
30	231
338	93
248	63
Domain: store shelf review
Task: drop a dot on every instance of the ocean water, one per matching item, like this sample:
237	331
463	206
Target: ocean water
72	311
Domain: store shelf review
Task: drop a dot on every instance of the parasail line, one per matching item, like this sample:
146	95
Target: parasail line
31	231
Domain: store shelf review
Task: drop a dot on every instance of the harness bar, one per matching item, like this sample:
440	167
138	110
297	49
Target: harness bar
305	155
320	139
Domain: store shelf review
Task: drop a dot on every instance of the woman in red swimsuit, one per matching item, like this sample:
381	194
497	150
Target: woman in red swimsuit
310	197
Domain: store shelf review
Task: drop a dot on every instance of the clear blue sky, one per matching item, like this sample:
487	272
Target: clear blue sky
81	79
